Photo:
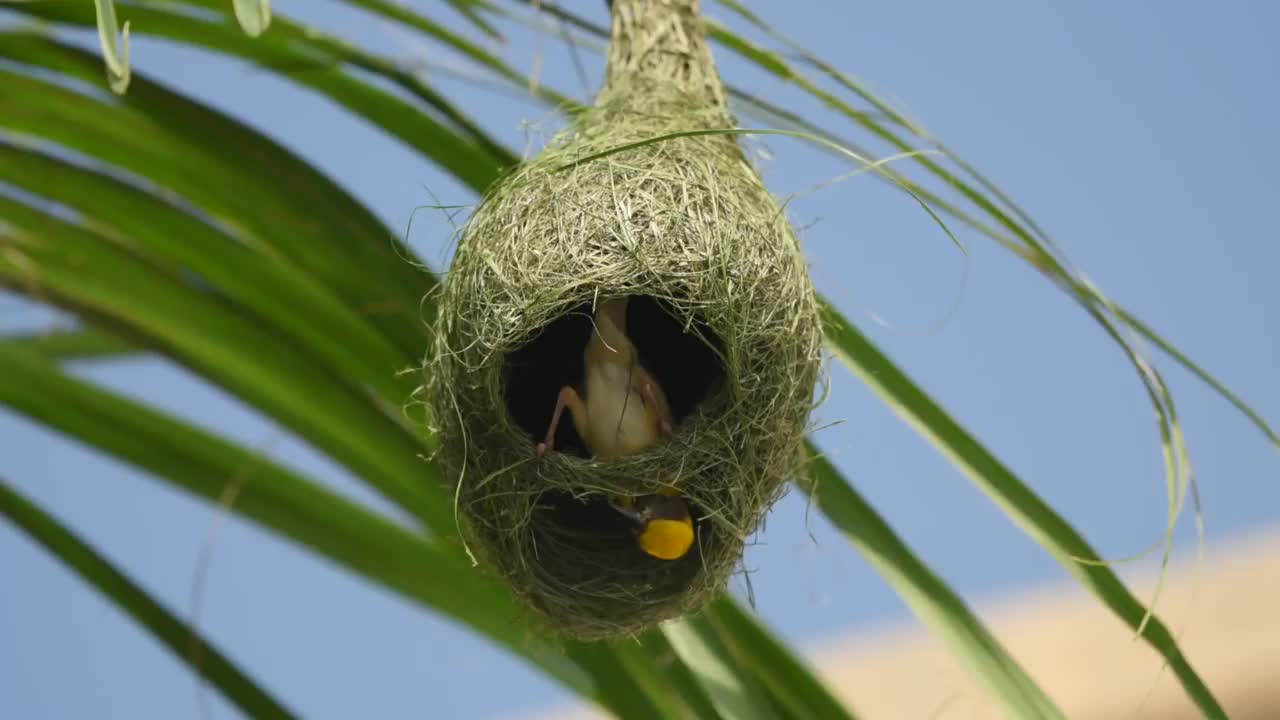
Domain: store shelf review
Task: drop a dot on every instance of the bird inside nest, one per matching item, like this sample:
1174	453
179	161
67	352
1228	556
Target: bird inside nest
619	408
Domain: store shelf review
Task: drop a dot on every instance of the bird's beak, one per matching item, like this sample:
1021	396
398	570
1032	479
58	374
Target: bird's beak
628	511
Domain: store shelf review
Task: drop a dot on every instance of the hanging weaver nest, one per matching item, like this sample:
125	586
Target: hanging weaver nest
722	313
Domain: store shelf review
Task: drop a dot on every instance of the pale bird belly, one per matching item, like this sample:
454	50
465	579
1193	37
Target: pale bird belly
620	422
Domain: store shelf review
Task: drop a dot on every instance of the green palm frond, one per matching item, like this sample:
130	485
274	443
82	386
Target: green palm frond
249	267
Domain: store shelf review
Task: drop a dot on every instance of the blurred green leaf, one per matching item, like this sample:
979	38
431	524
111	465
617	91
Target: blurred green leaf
68	344
46	257
677	676
164	626
268	198
635	680
1029	241
182	244
731	692
1017	500
306	58
940	609
276	498
254	16
620	677
115	45
792	684
470	9
407	17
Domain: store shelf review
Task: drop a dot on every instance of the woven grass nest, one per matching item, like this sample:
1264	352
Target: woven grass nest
721	310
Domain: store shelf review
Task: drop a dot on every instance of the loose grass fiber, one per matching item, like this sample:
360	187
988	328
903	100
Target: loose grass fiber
723	314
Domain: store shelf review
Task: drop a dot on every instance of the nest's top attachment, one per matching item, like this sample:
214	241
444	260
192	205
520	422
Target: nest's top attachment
722	313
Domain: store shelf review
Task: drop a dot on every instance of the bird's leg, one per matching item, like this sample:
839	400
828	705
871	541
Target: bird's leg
570	398
659	405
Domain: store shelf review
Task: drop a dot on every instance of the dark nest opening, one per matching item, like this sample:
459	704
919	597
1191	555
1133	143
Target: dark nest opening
606	558
686	364
592	577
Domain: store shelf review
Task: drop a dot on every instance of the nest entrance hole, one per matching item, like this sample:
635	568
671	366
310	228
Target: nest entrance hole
595	540
686	364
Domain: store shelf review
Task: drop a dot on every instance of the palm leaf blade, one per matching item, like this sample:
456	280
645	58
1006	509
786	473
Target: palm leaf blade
46	256
125	594
1017	500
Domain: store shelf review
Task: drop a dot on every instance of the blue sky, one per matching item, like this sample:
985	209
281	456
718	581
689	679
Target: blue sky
1141	135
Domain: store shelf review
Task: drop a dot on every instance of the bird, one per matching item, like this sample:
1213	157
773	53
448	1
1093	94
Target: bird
664	525
624	411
